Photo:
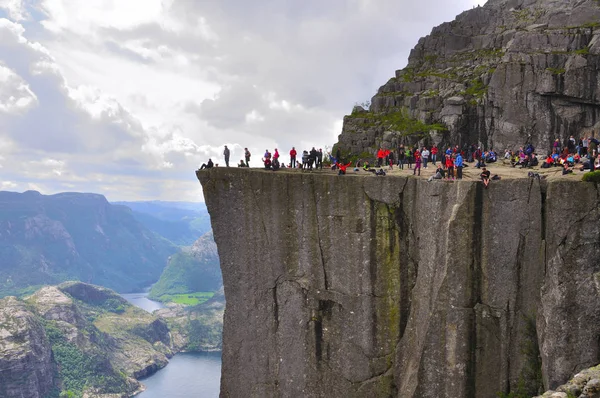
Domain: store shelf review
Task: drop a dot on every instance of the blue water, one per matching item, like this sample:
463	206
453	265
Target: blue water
141	300
188	375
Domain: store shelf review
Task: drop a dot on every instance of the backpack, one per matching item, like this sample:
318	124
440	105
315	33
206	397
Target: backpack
529	150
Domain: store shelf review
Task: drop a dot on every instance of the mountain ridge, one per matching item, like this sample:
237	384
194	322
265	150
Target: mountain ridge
47	239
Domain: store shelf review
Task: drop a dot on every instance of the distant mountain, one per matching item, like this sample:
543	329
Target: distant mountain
194	269
180	222
50	239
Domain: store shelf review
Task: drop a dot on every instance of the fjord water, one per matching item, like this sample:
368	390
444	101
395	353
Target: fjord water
141	300
188	375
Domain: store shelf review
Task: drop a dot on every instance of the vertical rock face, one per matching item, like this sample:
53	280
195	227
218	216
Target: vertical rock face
382	287
511	72
26	368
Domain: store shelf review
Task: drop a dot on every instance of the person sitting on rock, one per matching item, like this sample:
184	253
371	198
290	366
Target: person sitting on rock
485	177
267	162
208	165
438	175
342	167
566	169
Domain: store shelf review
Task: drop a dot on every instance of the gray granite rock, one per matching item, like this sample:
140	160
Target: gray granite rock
528	71
365	286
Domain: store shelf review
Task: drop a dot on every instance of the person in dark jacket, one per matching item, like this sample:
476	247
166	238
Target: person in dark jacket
226	155
319	164
312	158
208	165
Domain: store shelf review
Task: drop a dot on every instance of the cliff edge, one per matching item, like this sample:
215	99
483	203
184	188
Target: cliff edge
393	286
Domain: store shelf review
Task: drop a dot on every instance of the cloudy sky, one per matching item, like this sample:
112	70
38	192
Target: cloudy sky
128	97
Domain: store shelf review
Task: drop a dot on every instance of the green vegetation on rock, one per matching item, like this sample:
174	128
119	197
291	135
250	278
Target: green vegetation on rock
592	176
79	369
398	120
187	298
190	271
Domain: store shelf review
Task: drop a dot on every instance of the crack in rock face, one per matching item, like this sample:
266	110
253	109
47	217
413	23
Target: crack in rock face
435	295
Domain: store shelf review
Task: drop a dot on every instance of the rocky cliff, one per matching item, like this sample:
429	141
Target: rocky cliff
26	367
501	75
78	339
381	287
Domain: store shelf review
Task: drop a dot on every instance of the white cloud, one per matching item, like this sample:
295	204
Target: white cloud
15	9
131	96
7	185
15	94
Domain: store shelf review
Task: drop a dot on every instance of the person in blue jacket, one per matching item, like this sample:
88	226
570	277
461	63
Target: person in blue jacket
458	163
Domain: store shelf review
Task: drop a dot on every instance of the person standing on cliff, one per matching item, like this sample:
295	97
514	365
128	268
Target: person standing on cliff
320	159
293	154
434	152
458	163
425	156
247	156
450	166
226	155
417	163
401	157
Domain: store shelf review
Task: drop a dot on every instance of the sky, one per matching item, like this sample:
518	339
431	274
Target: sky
127	98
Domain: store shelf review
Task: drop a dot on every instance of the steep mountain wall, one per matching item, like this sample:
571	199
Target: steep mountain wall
501	75
48	239
26	367
367	286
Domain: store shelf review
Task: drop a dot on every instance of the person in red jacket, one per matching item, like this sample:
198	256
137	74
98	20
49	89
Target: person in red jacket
342	168
450	166
380	156
293	154
434	152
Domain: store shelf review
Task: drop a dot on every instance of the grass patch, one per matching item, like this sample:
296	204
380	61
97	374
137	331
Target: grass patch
187	298
592	176
556	71
583	51
476	88
400	121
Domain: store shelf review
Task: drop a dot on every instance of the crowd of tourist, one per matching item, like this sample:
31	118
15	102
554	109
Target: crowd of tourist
449	163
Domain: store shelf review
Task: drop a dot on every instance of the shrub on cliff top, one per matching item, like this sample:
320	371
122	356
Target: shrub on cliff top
592	176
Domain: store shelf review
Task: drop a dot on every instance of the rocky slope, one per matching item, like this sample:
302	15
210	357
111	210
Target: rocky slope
358	286
78	338
193	269
197	328
50	239
89	341
26	367
501	75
